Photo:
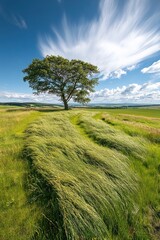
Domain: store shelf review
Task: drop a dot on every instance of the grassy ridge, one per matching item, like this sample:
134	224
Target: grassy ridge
93	186
17	216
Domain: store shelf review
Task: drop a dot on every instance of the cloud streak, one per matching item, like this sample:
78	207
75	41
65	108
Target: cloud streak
115	42
154	68
13	19
19	22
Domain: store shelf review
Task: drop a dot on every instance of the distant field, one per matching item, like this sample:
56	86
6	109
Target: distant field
80	174
148	112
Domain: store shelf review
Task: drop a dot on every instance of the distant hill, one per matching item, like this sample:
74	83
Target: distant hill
29	104
90	105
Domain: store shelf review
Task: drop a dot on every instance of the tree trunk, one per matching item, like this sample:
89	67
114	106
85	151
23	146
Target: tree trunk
65	104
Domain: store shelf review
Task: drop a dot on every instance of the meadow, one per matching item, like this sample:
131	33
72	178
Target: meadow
15	210
80	174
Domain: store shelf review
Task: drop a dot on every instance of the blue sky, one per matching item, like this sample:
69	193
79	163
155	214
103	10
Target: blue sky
121	37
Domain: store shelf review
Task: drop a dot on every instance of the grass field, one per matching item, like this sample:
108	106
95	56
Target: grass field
80	174
17	216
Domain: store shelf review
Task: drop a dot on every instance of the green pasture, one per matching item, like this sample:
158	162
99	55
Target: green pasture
80	174
17	216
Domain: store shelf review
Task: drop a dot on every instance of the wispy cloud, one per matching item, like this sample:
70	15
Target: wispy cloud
121	37
13	19
154	68
19	22
133	93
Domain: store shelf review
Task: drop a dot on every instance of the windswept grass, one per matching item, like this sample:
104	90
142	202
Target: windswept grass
92	186
148	169
107	135
146	127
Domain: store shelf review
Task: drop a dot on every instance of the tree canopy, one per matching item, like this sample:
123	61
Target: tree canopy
68	79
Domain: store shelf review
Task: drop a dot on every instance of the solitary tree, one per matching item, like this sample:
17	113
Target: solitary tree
73	79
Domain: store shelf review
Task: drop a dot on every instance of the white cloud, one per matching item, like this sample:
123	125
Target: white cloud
118	73
154	68
133	93
131	68
114	42
26	97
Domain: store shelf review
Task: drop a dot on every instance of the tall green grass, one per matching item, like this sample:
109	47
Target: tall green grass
135	126
81	175
17	217
148	169
107	135
91	188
